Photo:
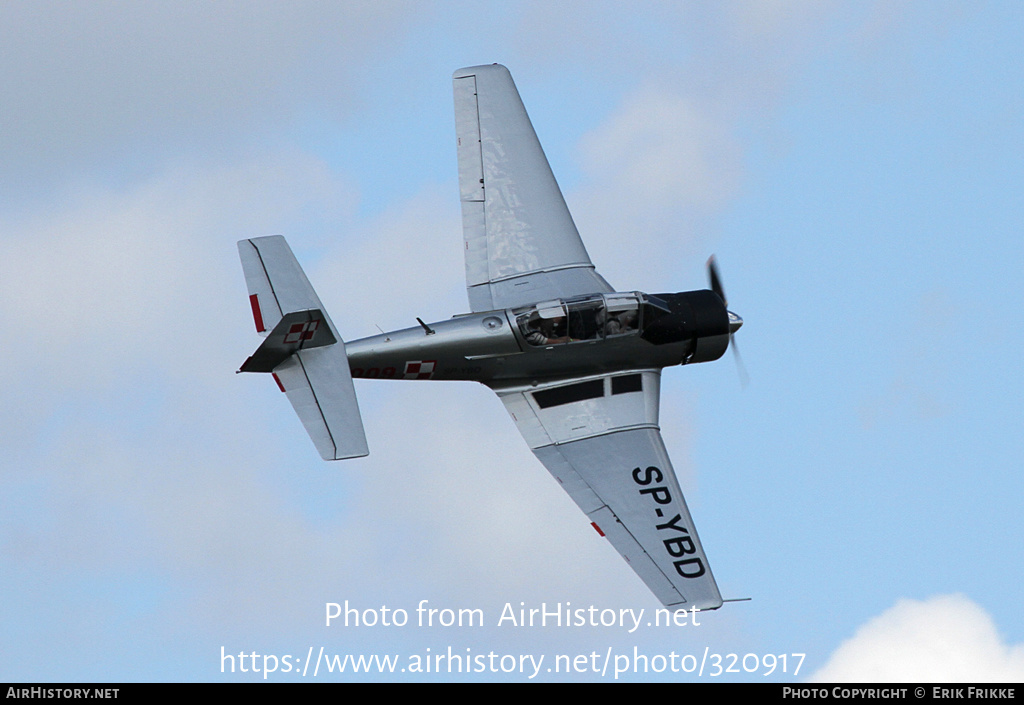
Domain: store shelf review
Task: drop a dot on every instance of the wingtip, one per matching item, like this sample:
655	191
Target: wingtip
477	70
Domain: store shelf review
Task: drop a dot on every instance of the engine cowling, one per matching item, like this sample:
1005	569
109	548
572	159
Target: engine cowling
699	317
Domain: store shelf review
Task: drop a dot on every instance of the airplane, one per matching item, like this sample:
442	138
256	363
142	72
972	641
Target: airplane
576	363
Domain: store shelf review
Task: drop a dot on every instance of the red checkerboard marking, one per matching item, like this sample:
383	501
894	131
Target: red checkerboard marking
301	331
420	369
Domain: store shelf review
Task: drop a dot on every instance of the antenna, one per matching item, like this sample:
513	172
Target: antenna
430	331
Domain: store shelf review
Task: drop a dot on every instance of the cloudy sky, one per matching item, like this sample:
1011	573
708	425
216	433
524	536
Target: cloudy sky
856	166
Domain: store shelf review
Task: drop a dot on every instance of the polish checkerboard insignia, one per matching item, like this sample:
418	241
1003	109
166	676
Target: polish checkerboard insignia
419	369
301	331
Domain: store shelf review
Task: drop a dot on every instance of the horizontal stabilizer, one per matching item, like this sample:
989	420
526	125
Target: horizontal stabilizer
319	386
302	348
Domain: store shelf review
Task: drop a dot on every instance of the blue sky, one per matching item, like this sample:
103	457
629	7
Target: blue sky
856	168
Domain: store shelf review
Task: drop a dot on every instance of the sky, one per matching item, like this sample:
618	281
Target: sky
856	167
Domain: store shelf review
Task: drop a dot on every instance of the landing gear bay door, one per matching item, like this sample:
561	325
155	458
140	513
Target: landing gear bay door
600	439
303	349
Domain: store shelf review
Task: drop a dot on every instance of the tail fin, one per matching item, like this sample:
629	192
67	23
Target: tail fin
302	348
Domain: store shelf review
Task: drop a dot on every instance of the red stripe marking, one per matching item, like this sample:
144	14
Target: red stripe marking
281	387
257	314
597	528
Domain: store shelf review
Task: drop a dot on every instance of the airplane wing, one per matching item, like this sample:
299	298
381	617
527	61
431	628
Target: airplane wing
521	244
599	437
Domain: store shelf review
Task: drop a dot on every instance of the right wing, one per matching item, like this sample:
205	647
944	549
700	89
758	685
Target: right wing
599	438
521	244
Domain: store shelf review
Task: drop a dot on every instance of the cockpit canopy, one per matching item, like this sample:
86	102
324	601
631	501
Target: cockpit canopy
587	318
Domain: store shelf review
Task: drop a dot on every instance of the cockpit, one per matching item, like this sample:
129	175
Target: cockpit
587	318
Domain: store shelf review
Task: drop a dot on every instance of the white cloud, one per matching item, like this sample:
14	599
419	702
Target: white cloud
108	85
662	155
128	438
405	263
670	159
947	638
110	281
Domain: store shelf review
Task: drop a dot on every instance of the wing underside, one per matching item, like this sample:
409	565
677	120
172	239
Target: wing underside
521	244
599	438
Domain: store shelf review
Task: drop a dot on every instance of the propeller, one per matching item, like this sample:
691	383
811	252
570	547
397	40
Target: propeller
735	322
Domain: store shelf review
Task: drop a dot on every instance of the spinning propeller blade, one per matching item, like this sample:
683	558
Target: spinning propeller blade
734	321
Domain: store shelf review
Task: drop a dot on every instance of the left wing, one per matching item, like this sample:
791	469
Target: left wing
599	437
521	244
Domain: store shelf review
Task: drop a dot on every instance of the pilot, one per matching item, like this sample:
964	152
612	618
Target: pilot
617	324
621	323
549	331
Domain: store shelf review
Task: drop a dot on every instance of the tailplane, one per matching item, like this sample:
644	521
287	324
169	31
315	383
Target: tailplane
302	349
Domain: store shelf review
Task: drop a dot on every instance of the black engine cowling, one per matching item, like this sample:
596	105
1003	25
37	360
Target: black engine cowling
697	316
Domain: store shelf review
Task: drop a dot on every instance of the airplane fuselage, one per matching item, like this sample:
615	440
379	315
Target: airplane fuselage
494	348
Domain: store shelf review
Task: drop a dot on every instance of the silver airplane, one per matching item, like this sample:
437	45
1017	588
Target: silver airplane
576	363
